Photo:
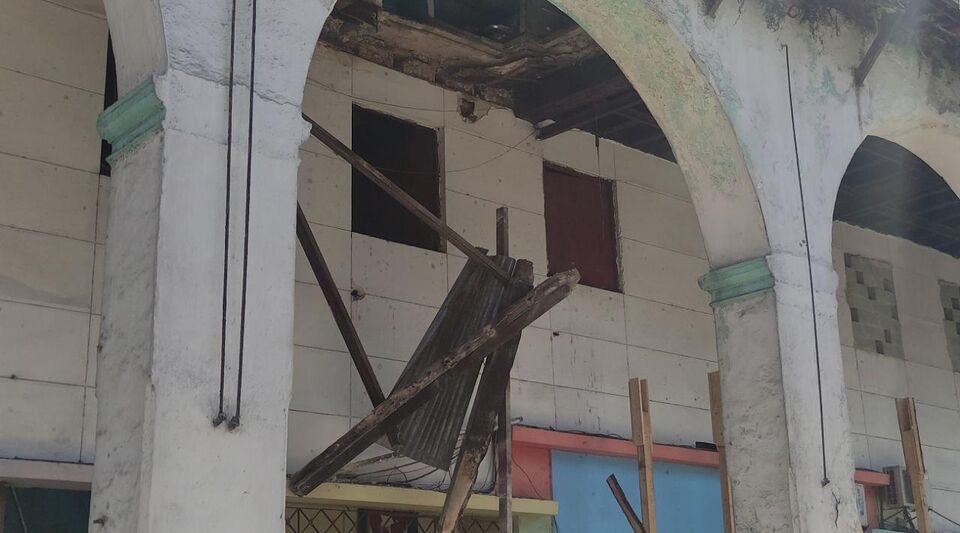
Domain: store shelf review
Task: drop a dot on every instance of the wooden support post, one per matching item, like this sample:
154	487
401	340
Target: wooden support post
643	440
405	400
716	418
504	427
404	199
913	455
3	506
340	314
635	524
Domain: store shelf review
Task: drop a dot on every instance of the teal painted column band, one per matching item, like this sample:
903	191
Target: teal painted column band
132	119
744	278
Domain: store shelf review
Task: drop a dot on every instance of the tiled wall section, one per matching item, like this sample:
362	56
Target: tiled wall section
873	305
573	366
52	68
950	300
925	370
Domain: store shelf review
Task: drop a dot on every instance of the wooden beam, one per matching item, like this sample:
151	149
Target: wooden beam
494	381
504	437
404	401
913	456
635	524
340	314
716	419
3	506
888	26
643	440
712	6
398	194
590	114
572	88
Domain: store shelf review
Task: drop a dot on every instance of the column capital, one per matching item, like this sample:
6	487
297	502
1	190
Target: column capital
134	117
740	279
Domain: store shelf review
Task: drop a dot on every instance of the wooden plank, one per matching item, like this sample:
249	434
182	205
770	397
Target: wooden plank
888	26
913	456
712	6
494	381
340	314
431	433
643	440
403	401
716	418
635	524
3	506
403	198
504	437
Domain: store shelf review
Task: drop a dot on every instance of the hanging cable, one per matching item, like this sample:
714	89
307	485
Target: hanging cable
235	421
221	417
813	298
948	519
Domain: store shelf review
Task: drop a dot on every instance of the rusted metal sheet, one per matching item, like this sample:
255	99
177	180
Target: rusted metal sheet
430	434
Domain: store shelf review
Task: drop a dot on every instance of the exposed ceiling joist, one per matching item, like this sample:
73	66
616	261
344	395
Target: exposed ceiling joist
589	115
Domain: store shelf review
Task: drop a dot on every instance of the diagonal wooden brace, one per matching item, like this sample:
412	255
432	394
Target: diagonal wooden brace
402	402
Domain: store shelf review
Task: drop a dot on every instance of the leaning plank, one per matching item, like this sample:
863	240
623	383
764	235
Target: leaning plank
494	381
716	419
635	524
402	402
430	434
340	315
913	456
403	198
643	440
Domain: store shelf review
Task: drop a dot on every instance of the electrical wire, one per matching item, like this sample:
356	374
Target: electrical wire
235	421
948	519
813	297
226	217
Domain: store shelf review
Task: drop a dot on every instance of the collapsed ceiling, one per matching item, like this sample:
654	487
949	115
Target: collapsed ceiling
522	54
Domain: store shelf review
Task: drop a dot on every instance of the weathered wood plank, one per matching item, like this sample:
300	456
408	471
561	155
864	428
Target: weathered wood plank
643	440
494	381
403	198
402	402
913	456
504	437
430	433
716	419
635	524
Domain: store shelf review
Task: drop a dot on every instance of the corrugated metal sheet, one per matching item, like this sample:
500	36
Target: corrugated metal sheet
430	434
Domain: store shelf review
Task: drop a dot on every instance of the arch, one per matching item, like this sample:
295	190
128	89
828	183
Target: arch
684	103
154	37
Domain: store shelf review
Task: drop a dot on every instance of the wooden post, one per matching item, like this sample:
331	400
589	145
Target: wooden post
3	506
643	440
913	455
504	428
635	524
716	418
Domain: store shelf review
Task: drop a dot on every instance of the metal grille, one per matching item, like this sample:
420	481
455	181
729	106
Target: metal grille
323	520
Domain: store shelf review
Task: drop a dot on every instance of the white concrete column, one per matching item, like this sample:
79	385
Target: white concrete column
771	404
161	465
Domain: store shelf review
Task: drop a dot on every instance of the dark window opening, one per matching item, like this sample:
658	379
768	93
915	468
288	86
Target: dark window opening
408	154
581	227
109	98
